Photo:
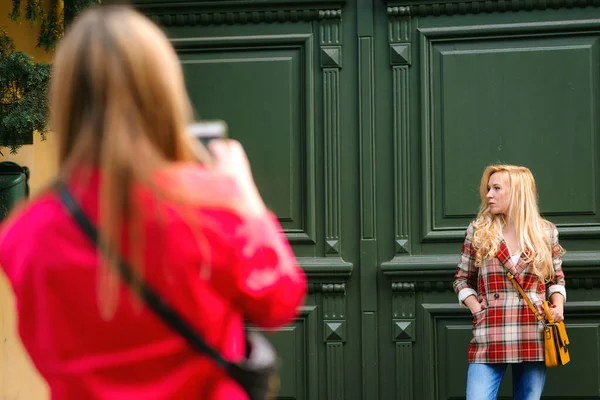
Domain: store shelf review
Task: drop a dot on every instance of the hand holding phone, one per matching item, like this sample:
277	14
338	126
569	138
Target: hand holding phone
231	160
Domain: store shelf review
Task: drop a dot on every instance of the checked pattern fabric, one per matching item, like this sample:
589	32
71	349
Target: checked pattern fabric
505	330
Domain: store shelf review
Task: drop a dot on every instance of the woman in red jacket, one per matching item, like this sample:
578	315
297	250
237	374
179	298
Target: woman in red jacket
199	233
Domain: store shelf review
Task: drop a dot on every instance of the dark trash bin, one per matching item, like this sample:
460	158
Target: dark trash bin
14	186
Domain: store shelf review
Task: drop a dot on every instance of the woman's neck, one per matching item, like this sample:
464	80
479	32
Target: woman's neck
507	223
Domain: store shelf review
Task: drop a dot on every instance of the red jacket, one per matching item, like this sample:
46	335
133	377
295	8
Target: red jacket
53	269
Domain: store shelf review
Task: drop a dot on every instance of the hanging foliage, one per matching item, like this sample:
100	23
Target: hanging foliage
52	20
23	82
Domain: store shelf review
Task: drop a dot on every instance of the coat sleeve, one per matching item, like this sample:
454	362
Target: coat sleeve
261	276
558	283
465	278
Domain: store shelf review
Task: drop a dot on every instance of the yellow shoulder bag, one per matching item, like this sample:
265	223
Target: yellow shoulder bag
556	341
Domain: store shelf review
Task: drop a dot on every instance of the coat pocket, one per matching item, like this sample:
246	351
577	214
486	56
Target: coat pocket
479	327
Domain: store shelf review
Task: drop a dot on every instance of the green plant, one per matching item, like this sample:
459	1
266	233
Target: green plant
23	96
23	82
52	20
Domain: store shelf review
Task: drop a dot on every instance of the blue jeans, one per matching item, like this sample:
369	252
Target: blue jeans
483	380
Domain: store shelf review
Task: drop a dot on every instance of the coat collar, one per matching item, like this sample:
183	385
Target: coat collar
503	254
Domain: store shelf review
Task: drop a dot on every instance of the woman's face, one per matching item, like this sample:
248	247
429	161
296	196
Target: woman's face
498	193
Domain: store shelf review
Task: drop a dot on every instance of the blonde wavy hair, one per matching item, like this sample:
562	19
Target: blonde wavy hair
532	231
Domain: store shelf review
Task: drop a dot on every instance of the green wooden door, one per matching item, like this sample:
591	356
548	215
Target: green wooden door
472	84
368	125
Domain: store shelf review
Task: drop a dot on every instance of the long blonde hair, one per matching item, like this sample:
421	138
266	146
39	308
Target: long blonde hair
532	231
119	106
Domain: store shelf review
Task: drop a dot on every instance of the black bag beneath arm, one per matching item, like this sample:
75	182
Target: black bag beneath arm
258	374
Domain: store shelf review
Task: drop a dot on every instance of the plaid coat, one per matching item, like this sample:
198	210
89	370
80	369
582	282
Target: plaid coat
505	330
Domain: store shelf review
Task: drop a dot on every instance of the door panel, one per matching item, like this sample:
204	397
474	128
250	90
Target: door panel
272	124
530	101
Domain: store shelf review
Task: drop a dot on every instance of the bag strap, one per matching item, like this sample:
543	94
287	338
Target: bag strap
138	285
523	295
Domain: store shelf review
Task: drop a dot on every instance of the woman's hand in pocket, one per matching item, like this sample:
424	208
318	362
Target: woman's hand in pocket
473	304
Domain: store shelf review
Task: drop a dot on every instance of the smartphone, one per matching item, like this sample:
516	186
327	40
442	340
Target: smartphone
206	131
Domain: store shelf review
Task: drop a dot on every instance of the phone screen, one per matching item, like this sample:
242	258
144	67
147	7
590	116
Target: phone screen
208	130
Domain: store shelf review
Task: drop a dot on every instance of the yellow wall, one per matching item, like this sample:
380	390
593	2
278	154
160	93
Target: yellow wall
18	378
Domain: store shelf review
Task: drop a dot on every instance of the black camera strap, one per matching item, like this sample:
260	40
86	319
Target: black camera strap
175	321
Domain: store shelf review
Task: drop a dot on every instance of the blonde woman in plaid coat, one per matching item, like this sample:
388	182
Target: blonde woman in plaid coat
508	233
